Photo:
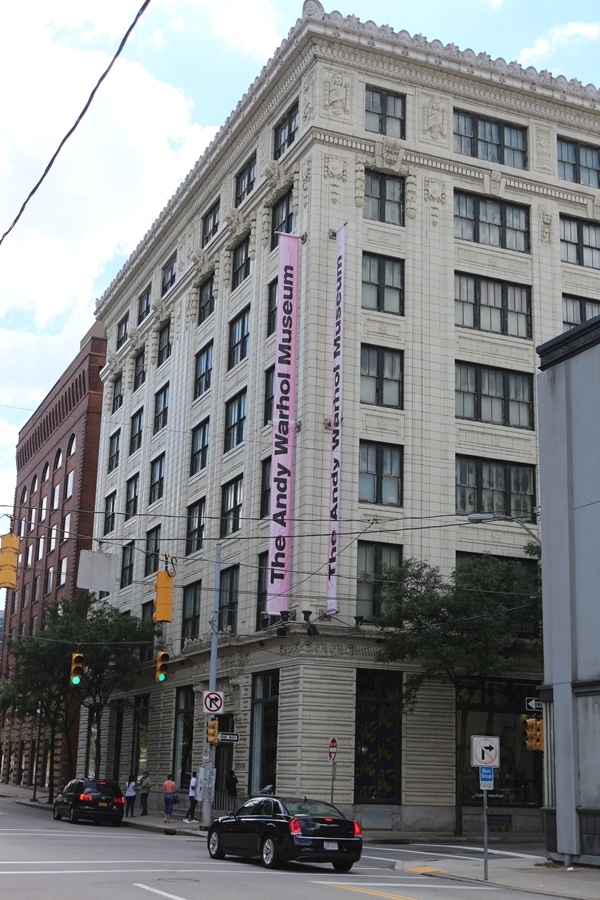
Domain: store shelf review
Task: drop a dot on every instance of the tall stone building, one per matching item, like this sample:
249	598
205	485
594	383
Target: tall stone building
445	207
57	455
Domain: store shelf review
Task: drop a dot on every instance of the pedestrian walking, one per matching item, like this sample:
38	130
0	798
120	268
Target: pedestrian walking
169	795
130	795
231	790
190	816
145	787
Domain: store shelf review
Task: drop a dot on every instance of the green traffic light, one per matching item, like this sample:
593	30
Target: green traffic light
161	677
76	679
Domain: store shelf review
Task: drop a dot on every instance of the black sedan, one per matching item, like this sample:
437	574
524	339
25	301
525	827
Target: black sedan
88	798
279	829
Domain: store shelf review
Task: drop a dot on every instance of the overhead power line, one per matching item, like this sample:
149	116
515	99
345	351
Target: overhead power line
140	12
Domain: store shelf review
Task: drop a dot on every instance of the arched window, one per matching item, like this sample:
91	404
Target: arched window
23	496
34	485
45	473
58	460
72	445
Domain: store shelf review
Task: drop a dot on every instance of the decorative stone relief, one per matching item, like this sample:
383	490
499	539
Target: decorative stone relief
337	91
543	144
434	119
296	193
495	182
238	225
393	153
226	256
276	179
306	177
308	100
546	225
312	9
336	170
359	183
435	193
410	190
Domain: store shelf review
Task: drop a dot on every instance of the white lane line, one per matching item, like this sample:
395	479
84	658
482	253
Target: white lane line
151	890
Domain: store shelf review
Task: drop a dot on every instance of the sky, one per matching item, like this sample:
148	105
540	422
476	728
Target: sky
183	70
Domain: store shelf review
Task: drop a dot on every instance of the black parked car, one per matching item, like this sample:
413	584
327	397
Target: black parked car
279	829
88	798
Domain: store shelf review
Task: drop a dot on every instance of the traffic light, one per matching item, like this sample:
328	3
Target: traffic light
212	731
162	666
9	551
530	734
539	734
76	668
163	597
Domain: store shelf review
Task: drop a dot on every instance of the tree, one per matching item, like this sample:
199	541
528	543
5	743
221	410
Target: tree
40	685
460	631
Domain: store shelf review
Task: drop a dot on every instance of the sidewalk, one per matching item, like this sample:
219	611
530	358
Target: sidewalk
537	876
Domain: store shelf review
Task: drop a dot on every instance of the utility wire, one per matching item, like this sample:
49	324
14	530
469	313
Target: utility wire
140	12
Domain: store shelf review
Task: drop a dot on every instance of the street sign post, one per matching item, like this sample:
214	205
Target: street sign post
485	755
212	702
486	778
532	704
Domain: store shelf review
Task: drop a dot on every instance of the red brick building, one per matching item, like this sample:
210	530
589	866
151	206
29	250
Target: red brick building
56	457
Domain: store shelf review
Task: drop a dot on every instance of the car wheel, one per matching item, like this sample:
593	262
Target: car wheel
269	853
214	845
73	817
55	813
342	865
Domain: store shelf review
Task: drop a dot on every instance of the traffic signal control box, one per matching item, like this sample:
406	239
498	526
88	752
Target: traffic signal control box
163	597
9	552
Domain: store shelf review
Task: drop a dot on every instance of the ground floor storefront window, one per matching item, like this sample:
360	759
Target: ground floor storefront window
265	711
378	737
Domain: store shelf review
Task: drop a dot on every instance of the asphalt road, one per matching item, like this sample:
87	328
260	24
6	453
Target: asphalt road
41	858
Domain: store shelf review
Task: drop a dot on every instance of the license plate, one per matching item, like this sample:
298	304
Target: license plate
331	845
103	804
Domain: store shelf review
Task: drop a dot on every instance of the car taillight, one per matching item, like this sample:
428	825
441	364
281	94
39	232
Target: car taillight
120	800
86	798
357	828
328	819
295	826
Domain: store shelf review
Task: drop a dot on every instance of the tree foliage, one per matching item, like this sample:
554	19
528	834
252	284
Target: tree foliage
473	626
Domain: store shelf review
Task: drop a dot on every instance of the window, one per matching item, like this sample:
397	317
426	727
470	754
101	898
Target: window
110	503
239	338
381	376
190	620
161	408
577	310
490	139
137	426
579	163
195	527
244	180
228	599
40	548
495	306
210	223
49	580
241	262
491	222
139	370
127	564
269	395
372	558
58	460
132	491
580	243
65	528
52	534
164	343
265	487
32	514
235	421
384	112
495	486
157	478
114	444
206	299
34	483
29	556
261	591
45	473
384	198
69	484
152	551
62	571
44	508
203	375
382	284
71	446
200	435
122	331
169	272
56	496
37	581
272	308
231	506
497	396
117	392
380	474
144	304
285	131
282	218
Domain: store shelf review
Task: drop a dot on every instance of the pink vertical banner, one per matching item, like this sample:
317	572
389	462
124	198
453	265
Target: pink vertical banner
284	427
335	468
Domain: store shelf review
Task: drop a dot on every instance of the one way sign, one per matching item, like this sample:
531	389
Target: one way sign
485	751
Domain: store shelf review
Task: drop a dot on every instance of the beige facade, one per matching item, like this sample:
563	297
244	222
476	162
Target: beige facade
331	68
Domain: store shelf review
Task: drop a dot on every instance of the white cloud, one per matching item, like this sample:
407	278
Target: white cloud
253	28
557	38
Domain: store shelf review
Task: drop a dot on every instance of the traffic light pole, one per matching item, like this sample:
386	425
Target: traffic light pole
208	781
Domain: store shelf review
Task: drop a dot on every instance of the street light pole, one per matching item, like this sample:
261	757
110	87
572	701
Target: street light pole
479	518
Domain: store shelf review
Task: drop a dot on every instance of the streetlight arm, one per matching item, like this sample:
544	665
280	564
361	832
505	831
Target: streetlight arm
478	518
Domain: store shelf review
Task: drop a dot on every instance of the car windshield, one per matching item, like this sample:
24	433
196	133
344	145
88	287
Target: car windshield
108	788
312	808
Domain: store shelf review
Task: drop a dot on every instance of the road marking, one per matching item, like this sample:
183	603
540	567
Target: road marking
370	893
152	890
426	870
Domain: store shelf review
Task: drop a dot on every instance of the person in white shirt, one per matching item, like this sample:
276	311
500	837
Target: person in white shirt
190	816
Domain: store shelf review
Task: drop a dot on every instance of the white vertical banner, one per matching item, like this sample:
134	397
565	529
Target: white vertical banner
335	469
284	427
